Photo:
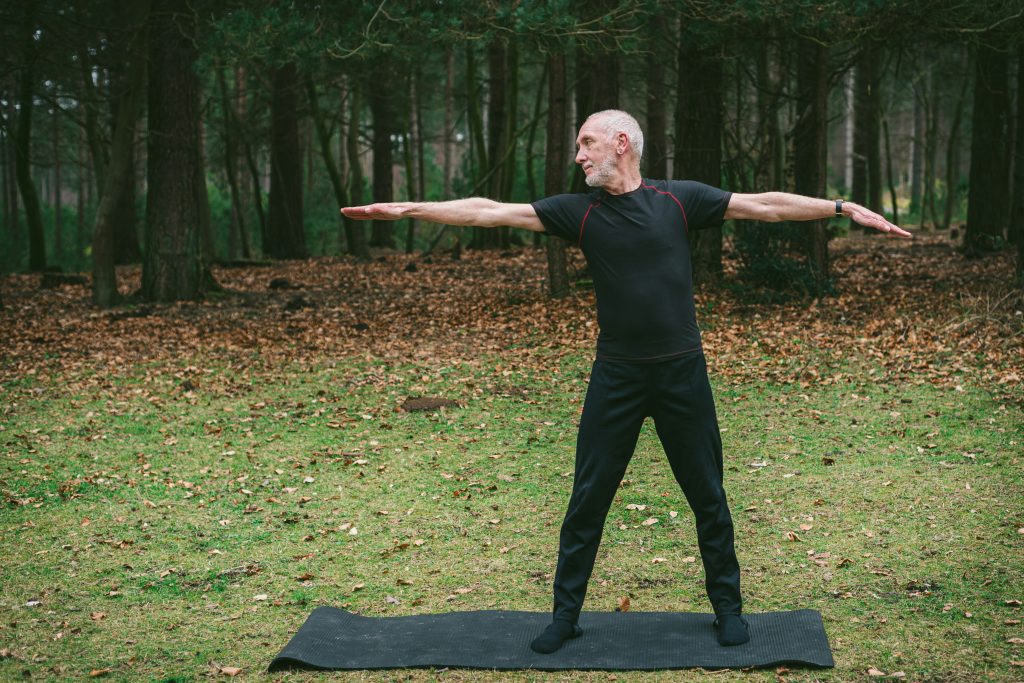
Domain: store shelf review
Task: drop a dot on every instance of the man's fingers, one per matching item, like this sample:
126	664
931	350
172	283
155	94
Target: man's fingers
360	212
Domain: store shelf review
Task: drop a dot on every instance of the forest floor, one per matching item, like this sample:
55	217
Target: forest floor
180	485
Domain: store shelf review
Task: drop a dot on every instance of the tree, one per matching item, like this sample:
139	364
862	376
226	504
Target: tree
23	139
988	201
382	108
173	266
120	168
285	225
867	164
810	150
557	152
1016	229
698	135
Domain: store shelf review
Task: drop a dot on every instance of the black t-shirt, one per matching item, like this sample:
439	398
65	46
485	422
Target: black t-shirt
636	247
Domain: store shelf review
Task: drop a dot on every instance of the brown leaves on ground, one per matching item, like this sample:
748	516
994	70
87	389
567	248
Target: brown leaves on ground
913	309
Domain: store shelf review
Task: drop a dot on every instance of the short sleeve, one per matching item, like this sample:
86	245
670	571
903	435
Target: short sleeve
562	214
704	205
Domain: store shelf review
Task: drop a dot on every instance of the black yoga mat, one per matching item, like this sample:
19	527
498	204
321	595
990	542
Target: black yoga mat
335	639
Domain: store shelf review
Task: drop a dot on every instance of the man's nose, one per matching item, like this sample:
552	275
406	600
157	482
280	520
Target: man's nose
580	157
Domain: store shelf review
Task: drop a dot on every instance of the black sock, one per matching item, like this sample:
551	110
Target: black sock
732	630
554	636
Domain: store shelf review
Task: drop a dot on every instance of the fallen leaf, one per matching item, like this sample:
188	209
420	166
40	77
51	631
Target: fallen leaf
689	559
1015	641
634	506
98	616
649	521
305	577
96	673
658	560
623	605
673	514
358	587
793	536
806	527
392	600
261	597
229	670
1012	603
875	672
403	582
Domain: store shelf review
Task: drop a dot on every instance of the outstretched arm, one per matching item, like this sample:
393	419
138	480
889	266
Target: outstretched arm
485	213
772	207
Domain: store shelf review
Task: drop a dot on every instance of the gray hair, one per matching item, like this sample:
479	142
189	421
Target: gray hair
617	121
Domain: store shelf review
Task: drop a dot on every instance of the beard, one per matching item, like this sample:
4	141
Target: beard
602	173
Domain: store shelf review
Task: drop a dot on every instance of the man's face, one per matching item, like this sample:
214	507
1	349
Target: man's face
595	153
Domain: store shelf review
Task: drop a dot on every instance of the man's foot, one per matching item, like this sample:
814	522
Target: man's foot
554	636
732	630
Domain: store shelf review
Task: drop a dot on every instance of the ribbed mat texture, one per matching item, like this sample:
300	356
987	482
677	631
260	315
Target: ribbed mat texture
335	639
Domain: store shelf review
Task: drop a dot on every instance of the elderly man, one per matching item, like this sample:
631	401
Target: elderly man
632	231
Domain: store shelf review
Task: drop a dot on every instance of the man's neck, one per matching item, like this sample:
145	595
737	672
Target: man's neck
627	182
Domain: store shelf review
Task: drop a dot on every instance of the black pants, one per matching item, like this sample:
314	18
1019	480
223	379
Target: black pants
677	394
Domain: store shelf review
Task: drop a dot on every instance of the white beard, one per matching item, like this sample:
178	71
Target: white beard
602	173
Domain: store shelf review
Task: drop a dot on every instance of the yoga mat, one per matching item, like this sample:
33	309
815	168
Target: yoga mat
335	639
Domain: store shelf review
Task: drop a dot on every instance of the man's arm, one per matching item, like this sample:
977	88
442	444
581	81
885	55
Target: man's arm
772	207
485	213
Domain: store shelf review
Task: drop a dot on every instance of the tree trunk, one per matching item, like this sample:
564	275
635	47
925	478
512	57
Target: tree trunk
1016	229
889	173
475	120
121	168
867	176
355	234
80	184
539	101
124	220
988	200
173	267
238	240
917	151
556	157
810	149
449	122
698	133
23	158
58	219
382	110
285	227
597	89
412	169
656	128
953	152
499	69
324	138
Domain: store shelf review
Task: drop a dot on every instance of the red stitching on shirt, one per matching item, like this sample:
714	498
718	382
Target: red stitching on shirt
584	222
686	223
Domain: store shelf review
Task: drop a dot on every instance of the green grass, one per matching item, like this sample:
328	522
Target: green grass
146	513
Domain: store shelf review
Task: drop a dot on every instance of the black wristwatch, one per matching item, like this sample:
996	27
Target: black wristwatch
839	208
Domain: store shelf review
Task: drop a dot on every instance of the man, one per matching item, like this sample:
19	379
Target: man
649	356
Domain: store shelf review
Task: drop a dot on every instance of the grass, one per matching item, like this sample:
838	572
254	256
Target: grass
169	520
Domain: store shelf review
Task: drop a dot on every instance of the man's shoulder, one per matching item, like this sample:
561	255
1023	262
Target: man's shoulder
578	197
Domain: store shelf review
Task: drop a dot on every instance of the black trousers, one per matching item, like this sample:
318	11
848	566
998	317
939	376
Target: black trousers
677	394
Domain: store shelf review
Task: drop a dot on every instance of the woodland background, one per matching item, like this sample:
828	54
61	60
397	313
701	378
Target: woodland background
221	405
179	135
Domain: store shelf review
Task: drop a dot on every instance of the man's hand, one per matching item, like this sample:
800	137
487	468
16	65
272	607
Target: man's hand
870	219
376	212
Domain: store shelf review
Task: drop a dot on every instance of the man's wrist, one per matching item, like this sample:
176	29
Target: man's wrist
839	208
